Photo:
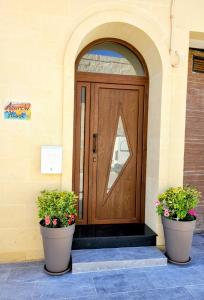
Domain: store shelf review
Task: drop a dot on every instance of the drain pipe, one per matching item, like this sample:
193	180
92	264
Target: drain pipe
174	55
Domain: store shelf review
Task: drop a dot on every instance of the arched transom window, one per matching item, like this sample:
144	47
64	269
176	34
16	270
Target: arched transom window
111	58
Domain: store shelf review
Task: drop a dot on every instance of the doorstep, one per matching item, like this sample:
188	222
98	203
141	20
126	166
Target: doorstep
92	260
96	236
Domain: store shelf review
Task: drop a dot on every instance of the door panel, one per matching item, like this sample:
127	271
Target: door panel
110	151
116	132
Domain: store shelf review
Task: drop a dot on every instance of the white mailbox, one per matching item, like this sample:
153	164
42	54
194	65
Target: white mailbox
51	159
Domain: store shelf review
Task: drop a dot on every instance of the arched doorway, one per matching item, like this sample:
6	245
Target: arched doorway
110	140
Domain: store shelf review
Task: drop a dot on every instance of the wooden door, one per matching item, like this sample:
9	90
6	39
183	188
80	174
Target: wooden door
114	150
115	166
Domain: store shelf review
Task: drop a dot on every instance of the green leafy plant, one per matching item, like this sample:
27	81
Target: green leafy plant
56	208
178	203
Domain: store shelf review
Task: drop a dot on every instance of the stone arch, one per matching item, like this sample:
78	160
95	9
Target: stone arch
125	27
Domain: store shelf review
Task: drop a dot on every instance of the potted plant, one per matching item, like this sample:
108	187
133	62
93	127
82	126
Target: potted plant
177	208
57	211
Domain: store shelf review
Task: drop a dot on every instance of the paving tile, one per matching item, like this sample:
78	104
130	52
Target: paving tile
125	296
198	239
179	293
197	291
37	274
28	274
200	269
16	291
4	273
42	297
198	248
120	282
84	298
197	259
6	266
76	286
174	277
115	296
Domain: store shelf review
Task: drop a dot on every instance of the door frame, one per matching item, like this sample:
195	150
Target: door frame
86	79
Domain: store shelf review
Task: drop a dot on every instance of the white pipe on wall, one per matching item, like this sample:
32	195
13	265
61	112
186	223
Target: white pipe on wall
174	54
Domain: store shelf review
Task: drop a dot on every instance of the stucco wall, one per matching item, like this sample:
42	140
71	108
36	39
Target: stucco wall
40	41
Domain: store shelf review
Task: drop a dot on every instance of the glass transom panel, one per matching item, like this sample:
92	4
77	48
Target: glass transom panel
121	154
111	58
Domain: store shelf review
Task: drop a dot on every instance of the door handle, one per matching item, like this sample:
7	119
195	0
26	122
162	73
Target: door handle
95	135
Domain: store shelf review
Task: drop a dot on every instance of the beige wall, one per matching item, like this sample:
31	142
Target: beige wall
40	41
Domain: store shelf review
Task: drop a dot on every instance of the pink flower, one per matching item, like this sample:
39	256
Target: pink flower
166	212
54	222
156	202
192	212
47	220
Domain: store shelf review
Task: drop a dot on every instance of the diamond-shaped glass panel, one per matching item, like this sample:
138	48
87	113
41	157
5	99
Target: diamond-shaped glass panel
120	156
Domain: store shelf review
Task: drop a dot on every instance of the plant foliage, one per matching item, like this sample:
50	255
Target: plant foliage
178	203
56	208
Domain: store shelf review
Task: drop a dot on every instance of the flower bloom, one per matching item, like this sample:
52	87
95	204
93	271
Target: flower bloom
72	217
47	220
156	202
192	212
166	212
54	222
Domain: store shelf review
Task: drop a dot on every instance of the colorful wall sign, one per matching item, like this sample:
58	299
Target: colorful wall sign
17	111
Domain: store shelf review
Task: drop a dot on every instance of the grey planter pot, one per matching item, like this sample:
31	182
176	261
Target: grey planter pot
178	239
57	243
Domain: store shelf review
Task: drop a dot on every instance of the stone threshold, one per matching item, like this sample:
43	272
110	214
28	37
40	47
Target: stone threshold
94	260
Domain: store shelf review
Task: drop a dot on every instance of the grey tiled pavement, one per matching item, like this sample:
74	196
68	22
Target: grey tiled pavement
28	281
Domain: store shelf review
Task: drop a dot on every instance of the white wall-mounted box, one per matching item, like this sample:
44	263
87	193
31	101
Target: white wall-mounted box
51	159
